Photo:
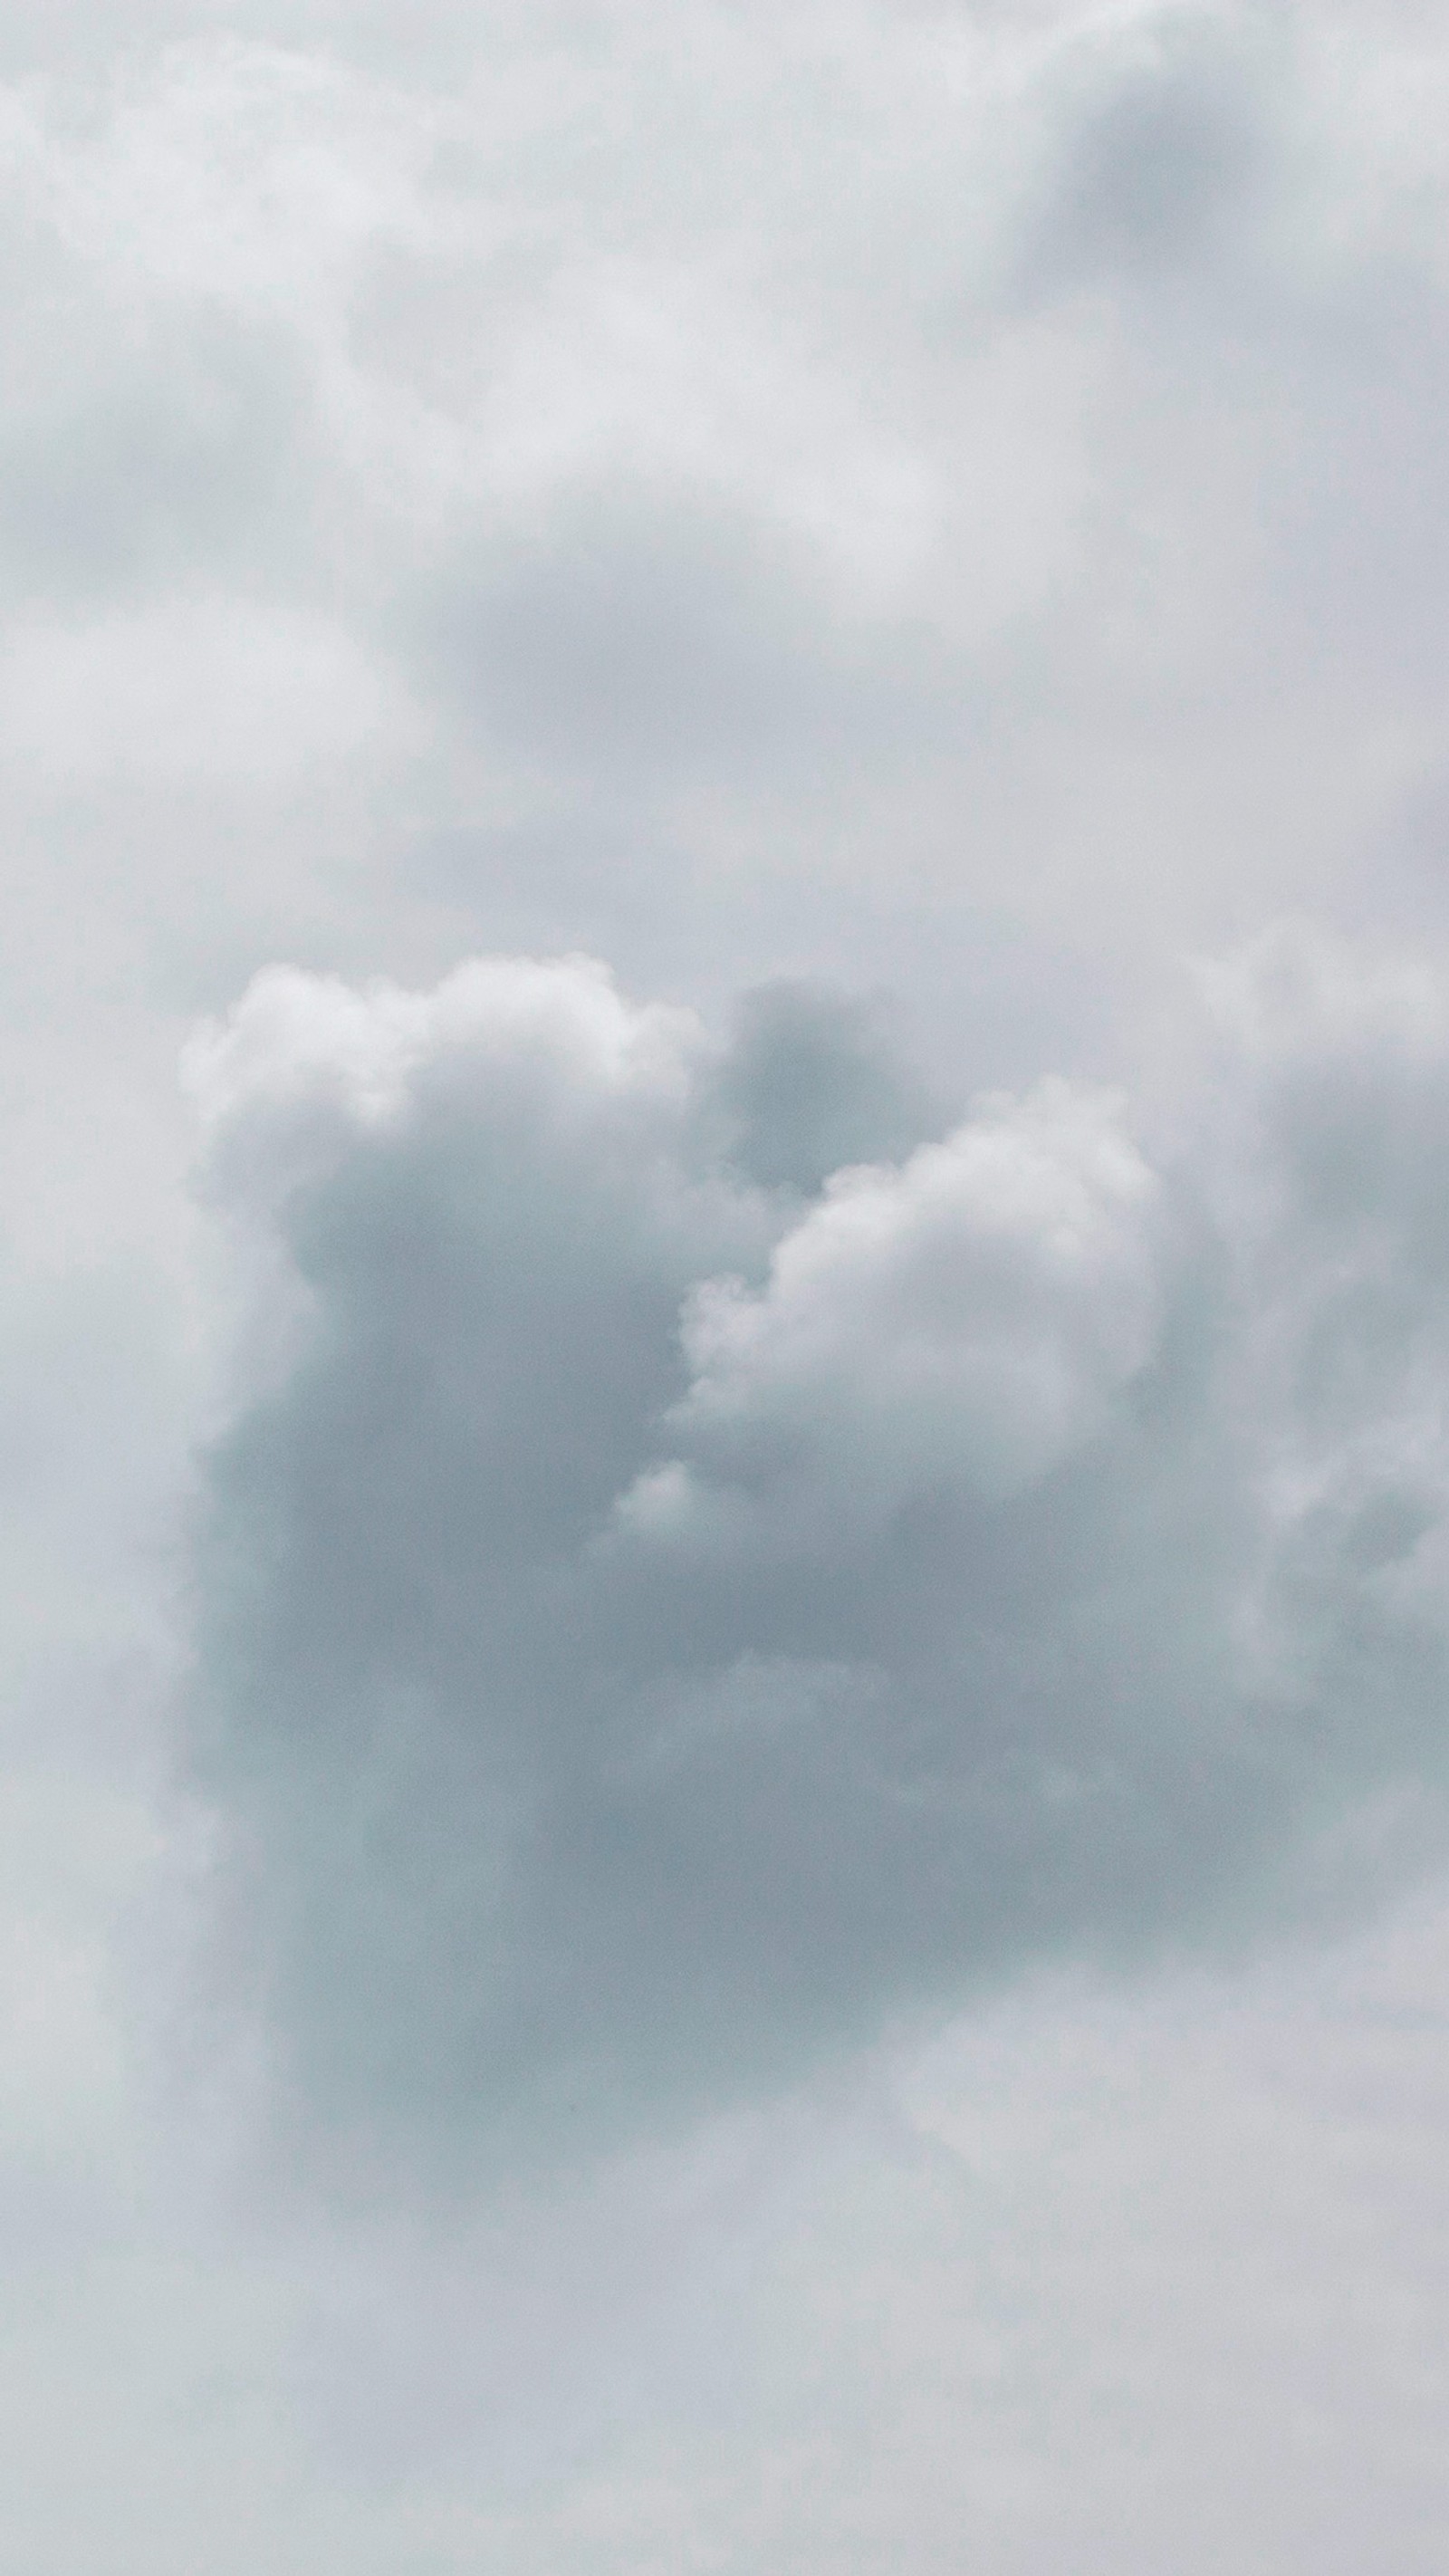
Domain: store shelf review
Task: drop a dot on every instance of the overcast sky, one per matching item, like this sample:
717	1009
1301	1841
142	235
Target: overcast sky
724	1461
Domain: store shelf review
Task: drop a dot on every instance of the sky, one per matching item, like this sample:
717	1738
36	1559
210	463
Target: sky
724	1288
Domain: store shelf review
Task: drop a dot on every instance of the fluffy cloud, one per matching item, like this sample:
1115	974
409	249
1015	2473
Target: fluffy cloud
964	1321
658	1620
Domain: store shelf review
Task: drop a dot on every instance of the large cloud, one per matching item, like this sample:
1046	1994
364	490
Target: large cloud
660	1616
948	498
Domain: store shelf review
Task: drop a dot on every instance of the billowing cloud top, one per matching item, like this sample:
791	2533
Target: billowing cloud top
660	1618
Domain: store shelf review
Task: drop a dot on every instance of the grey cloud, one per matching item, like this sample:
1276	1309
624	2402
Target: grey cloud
1168	134
69	35
178	448
659	1617
809	1084
647	633
653	1626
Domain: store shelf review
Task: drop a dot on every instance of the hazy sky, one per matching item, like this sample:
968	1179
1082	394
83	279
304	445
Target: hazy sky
724	782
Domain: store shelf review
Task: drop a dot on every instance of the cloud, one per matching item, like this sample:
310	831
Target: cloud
155	464
1170	124
635	640
659	1621
970	1316
810	1083
719	1547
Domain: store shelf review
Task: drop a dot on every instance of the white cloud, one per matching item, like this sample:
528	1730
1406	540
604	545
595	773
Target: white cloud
968	1318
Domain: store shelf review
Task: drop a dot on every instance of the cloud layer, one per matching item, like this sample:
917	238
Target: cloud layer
939	500
661	1617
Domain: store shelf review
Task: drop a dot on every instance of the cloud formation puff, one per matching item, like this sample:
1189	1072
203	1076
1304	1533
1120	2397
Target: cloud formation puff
663	1611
